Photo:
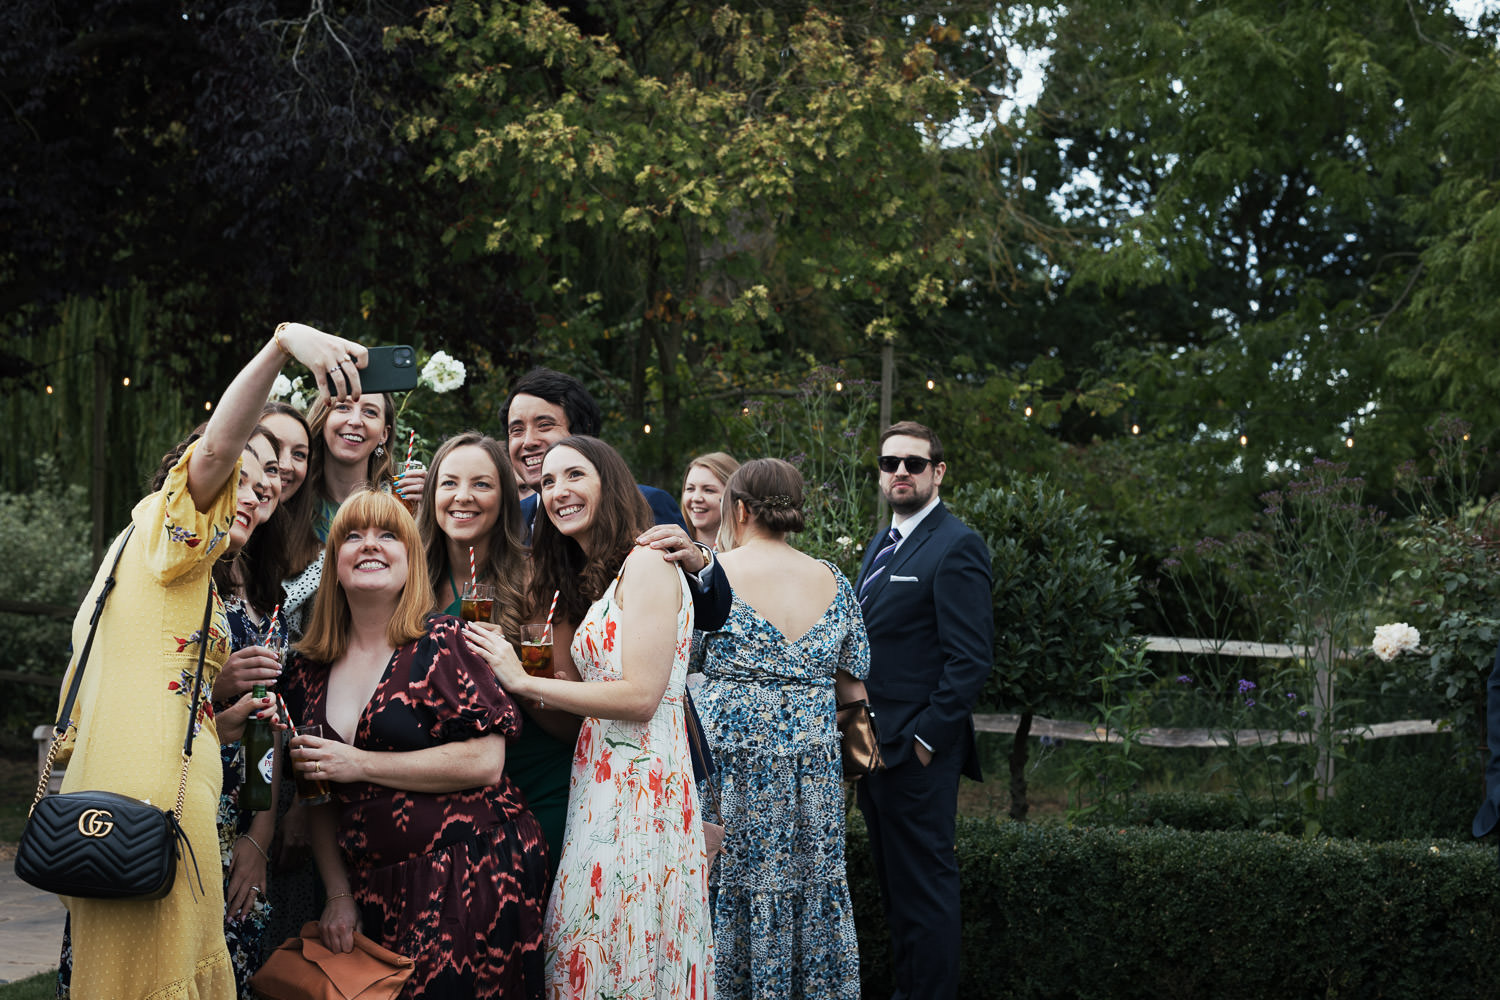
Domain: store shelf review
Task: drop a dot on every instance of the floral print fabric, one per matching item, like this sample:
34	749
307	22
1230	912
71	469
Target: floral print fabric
628	916
783	923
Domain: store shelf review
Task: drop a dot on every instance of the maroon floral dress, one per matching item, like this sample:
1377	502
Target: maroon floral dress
454	880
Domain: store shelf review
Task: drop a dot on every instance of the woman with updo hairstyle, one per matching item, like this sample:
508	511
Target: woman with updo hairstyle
793	648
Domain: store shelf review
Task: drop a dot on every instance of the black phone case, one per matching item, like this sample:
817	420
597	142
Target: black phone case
391	369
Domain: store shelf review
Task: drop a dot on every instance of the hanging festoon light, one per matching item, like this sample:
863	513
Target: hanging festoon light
1135	422
931	385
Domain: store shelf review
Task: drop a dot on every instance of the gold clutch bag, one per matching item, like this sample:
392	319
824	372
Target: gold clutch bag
859	739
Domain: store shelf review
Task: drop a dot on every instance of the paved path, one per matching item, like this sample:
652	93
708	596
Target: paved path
31	925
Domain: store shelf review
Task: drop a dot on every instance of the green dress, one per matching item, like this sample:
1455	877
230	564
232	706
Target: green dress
540	764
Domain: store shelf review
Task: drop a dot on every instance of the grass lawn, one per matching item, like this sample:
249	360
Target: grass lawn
39	987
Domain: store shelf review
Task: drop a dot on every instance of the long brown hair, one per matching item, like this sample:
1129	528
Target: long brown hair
505	562
327	636
305	545
559	564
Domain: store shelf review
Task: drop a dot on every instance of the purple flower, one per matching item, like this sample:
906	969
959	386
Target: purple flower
1302	714
1249	702
1184	679
1246	686
1290	696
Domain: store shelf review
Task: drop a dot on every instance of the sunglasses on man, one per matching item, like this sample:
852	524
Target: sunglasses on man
915	465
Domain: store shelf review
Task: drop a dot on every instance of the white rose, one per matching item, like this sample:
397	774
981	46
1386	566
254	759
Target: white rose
1392	640
443	373
281	388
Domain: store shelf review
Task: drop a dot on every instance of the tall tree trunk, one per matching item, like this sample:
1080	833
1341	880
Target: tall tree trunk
1018	752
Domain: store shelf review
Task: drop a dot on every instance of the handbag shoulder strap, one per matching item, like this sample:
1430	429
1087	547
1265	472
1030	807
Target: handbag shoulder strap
64	717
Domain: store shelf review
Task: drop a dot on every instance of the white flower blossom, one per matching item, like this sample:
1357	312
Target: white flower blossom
443	373
281	388
1394	639
844	541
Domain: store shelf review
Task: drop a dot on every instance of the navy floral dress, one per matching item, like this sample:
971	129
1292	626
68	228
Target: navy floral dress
245	935
454	880
783	923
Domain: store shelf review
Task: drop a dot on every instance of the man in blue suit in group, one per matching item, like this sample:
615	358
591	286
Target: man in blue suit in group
924	589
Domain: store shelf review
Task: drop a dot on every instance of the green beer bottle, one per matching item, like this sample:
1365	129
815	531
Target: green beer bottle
260	757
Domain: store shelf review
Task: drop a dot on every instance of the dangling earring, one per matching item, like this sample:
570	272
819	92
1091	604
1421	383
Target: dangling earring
380	451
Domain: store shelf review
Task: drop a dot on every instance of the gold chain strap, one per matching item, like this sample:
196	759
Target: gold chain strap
41	786
181	789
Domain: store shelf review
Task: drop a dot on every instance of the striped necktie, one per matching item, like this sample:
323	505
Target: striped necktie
878	563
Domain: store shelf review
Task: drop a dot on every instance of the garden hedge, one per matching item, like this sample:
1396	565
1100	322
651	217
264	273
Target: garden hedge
1054	912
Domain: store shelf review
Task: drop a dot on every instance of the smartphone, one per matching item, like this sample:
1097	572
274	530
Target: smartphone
391	369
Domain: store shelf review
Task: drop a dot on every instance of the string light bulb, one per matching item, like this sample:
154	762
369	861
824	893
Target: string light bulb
1349	441
49	390
1135	428
208	404
931	385
648	428
838	387
125	381
1028	410
1244	441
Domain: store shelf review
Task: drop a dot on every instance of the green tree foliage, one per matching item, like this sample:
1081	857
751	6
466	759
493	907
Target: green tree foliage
687	188
1303	187
1062	598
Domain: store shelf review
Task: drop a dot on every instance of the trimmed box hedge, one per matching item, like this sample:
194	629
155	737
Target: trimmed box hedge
1161	913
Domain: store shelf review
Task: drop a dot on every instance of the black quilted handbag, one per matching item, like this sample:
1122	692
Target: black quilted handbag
103	845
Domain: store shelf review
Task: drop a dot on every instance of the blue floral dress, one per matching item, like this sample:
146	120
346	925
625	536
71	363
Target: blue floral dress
245	935
783	923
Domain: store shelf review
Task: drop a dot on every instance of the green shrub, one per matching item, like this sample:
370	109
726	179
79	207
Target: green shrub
1159	913
44	557
1062	597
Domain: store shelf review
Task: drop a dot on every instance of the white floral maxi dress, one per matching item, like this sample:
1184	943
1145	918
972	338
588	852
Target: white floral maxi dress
628	915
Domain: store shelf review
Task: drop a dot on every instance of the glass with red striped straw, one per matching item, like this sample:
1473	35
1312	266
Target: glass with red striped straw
410	498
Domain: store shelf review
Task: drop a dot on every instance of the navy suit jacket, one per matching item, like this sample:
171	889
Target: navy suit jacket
931	626
710	606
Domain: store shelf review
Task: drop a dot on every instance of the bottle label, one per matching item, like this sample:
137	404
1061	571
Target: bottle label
266	764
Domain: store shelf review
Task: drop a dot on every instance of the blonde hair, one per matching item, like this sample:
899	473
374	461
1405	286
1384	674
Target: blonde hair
327	637
721	465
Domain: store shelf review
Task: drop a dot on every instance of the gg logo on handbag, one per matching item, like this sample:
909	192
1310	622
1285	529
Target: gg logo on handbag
96	823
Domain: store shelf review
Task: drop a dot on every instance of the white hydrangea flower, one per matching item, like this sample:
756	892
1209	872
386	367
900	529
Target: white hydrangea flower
281	388
1394	639
443	373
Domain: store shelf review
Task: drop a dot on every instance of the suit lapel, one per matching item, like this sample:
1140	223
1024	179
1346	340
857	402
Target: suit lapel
904	554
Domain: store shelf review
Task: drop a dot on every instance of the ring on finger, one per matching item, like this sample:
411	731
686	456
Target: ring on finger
318	766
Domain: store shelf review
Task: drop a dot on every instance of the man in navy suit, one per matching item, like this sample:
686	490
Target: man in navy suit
924	589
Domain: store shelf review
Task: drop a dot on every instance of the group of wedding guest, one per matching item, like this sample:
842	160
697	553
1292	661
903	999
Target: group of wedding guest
548	834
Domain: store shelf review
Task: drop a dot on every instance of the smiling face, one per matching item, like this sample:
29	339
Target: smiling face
466	499
905	492
372	561
270	490
253	487
702	498
570	491
532	426
293	457
354	429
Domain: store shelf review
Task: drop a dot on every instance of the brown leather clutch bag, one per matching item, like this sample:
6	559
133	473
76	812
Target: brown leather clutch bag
859	739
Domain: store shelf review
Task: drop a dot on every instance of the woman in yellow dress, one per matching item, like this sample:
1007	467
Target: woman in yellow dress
132	709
